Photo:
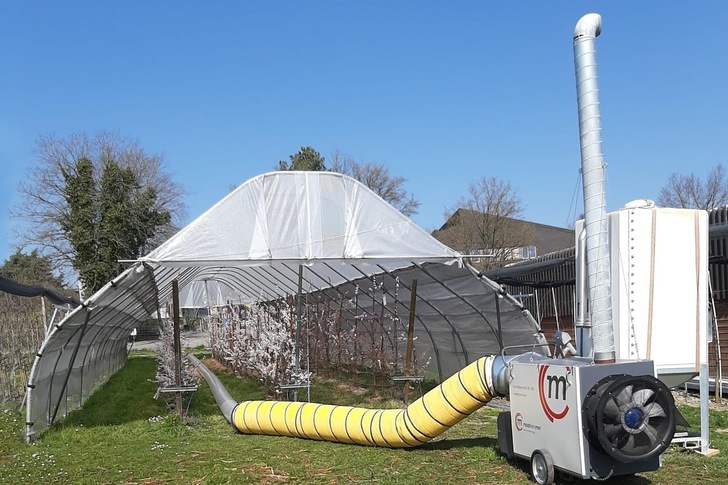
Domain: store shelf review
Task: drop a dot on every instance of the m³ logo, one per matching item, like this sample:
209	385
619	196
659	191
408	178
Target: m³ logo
519	421
553	385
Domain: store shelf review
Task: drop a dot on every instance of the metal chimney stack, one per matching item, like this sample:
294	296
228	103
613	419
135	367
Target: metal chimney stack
593	175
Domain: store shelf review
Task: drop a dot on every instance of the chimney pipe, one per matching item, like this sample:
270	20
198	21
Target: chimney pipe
593	175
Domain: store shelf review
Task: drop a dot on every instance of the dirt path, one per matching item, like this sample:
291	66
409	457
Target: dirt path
190	339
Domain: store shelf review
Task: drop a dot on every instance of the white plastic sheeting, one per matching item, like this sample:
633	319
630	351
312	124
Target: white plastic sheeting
87	347
459	316
326	229
299	217
208	294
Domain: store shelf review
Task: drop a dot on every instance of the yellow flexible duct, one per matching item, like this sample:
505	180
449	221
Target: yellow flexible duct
423	420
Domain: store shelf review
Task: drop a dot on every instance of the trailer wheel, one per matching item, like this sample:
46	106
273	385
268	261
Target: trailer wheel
542	468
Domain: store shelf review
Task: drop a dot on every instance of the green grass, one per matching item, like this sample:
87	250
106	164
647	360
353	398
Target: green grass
119	437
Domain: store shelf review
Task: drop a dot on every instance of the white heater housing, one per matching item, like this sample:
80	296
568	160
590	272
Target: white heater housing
585	420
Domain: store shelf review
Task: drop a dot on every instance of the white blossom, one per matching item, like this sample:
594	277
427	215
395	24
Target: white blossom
165	360
259	340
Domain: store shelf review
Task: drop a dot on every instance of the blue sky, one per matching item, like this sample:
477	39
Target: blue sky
442	93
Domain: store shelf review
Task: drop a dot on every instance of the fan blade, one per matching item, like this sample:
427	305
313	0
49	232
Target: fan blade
611	411
625	395
651	433
612	430
654	410
628	445
642	396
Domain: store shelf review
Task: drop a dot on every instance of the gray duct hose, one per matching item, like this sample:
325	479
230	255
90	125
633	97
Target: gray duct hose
223	399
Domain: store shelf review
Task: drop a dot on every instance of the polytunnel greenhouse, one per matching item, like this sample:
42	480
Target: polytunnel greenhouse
321	236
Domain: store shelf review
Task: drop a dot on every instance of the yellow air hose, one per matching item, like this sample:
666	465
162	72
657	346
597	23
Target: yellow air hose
435	412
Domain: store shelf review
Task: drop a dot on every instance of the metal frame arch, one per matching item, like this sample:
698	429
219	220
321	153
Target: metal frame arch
464	300
456	333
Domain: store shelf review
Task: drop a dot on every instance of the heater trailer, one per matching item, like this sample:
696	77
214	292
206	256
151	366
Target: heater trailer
585	420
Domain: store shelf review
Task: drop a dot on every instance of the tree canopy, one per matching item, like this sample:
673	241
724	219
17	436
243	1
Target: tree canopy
690	192
92	174
374	175
108	220
485	222
306	159
377	177
31	269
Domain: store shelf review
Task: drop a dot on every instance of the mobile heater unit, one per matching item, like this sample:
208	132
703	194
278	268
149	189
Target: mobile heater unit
586	420
597	410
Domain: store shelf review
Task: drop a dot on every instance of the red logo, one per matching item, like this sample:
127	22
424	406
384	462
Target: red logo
519	421
552	389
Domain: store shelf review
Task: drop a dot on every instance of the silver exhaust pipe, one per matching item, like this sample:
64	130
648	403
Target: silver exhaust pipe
582	324
593	171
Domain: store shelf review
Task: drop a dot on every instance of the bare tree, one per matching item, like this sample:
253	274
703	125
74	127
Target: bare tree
22	322
44	209
377	177
485	222
689	192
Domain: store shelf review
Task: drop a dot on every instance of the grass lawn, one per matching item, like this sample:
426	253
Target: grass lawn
123	435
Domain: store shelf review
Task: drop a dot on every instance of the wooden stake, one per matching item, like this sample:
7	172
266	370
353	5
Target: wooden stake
299	316
177	349
410	337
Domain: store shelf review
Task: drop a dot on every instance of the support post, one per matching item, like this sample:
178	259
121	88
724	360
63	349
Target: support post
43	315
705	448
208	305
299	313
395	326
716	346
177	349
410	337
498	319
70	368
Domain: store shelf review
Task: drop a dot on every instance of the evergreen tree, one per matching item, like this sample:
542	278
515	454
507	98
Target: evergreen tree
31	269
80	224
81	160
109	220
307	159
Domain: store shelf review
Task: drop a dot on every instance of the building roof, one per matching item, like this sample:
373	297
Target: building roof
547	239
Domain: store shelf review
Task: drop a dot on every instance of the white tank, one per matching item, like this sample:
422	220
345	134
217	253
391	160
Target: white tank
659	268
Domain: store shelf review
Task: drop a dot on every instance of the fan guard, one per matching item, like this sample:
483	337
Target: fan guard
630	418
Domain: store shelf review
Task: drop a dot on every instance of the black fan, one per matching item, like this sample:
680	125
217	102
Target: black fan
630	418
